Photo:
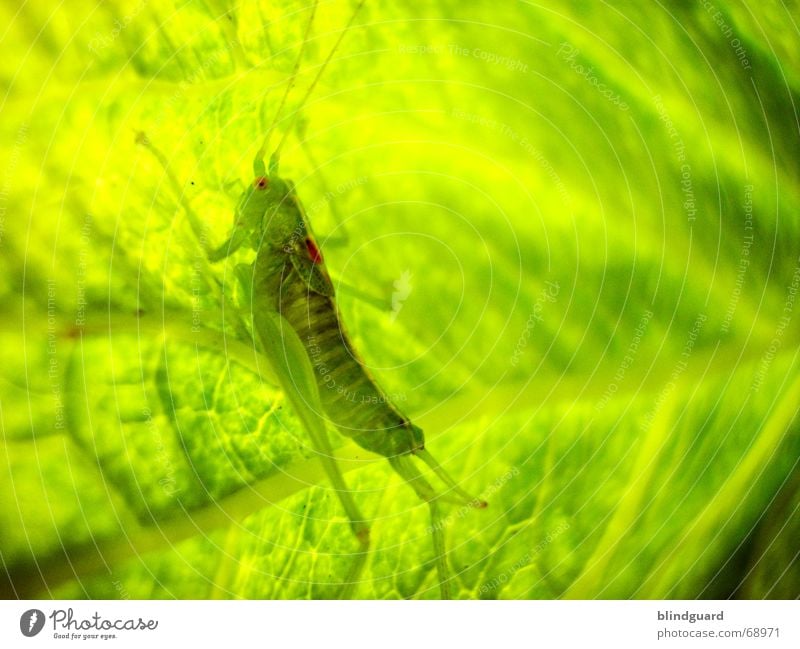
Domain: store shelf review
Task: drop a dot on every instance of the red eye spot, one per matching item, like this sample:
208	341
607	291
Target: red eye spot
262	182
313	252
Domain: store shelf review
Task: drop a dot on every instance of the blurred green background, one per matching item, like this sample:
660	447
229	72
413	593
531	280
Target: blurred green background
584	216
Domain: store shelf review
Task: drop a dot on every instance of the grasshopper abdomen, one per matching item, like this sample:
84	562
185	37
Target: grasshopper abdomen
352	399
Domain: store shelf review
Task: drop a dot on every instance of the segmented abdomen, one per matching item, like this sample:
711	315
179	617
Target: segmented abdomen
350	396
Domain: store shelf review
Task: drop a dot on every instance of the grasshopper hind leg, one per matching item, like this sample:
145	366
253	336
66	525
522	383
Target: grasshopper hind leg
404	466
291	365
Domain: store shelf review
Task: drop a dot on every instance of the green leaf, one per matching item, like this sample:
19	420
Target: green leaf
585	221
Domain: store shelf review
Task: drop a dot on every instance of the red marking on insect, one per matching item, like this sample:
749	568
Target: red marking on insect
313	252
262	182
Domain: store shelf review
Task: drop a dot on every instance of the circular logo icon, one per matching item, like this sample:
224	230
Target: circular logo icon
31	622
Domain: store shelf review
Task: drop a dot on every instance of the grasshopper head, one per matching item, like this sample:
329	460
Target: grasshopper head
268	211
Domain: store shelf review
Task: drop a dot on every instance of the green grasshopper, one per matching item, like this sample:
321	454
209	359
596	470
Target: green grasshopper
291	300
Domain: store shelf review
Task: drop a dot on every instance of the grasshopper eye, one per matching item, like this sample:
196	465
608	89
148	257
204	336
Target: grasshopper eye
262	182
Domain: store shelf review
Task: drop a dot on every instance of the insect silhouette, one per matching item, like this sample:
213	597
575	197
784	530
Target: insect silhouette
290	298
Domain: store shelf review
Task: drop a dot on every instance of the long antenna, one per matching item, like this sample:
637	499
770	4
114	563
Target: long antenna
258	161
275	158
